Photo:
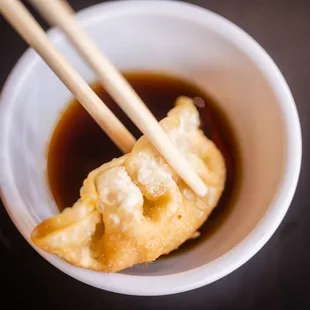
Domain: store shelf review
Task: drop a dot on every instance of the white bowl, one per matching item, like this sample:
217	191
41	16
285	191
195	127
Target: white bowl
208	50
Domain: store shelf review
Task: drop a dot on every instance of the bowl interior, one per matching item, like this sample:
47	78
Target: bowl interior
205	52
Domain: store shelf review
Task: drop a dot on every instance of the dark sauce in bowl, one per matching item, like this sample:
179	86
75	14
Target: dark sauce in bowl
78	145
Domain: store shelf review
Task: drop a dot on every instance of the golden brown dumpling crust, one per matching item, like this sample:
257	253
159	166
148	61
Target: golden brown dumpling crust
135	208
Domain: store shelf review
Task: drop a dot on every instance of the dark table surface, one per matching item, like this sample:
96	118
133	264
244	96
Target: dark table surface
278	277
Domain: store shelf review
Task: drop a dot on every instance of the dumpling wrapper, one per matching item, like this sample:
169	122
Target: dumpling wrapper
136	208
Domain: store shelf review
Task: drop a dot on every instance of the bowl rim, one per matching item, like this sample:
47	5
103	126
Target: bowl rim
246	249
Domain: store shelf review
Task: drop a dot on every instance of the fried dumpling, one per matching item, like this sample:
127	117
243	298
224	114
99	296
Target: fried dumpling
136	208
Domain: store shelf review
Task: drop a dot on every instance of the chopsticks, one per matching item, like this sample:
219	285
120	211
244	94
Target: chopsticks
59	13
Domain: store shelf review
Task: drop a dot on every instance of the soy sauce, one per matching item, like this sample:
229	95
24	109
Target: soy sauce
78	145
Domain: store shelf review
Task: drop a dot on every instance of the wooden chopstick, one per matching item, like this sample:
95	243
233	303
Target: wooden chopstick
59	13
18	16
